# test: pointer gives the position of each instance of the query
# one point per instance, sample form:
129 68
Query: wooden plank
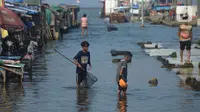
14 70
3 72
15 65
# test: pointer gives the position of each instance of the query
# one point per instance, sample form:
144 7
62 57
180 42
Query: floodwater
53 88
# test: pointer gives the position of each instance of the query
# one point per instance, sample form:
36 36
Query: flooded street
53 88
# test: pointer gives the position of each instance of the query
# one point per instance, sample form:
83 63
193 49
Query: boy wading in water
82 59
122 73
84 24
185 37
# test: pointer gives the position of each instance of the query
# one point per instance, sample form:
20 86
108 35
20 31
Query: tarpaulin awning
14 1
30 11
54 7
9 19
135 6
31 2
18 10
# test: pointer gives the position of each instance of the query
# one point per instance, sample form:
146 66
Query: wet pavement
53 88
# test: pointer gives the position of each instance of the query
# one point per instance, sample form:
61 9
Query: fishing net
90 80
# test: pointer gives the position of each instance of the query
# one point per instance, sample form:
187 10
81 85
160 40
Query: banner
1 3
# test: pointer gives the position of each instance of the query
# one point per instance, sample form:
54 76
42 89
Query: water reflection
122 104
10 94
82 100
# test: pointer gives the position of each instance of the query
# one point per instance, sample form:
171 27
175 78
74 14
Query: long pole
64 56
142 25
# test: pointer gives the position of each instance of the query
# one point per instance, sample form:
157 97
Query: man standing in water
84 24
185 37
82 59
122 72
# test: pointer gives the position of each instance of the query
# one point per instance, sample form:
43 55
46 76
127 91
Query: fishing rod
64 56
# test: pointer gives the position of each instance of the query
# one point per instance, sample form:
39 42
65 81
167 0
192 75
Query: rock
178 72
156 19
162 66
118 60
188 81
111 28
198 42
170 66
149 42
192 81
153 81
199 65
188 65
142 43
173 55
142 25
115 52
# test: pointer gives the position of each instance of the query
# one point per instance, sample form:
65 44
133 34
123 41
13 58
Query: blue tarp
18 10
62 4
14 1
162 8
22 10
135 6
30 11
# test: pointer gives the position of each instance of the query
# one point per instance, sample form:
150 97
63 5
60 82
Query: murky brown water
53 88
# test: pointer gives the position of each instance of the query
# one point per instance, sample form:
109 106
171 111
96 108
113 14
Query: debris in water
153 81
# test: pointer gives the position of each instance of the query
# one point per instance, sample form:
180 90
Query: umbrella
8 19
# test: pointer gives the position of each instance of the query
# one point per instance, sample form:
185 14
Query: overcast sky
83 3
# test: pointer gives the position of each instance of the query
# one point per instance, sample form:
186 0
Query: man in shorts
185 38
122 73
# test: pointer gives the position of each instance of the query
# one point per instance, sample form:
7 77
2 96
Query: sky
83 3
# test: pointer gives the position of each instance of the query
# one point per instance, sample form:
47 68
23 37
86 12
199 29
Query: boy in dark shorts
122 73
82 59
185 38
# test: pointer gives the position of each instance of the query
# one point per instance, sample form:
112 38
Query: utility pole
198 8
198 12
142 25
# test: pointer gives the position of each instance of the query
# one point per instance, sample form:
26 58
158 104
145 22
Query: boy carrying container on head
82 59
122 73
